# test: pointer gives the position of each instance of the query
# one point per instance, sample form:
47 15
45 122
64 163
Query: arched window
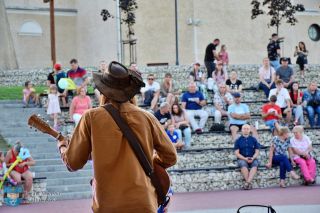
30 28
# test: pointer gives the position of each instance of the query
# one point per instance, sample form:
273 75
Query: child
224 57
3 170
29 95
59 73
173 135
53 105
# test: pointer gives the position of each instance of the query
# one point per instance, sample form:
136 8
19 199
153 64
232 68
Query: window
30 28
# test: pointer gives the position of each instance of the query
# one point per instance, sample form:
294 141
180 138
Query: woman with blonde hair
79 105
301 154
279 148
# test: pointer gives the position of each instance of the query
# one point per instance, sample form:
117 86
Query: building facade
81 33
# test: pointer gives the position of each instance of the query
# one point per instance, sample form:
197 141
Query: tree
128 17
278 10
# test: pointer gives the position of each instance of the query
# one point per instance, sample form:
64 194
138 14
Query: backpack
217 127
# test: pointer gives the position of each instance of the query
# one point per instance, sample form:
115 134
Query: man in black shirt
274 51
163 115
210 56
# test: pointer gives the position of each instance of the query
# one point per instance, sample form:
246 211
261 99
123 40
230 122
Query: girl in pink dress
219 76
224 57
53 105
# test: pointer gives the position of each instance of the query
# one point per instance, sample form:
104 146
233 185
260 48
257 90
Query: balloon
71 84
63 83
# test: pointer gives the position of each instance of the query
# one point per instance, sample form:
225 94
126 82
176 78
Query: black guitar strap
137 149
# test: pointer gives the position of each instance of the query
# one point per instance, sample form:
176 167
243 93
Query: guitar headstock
38 123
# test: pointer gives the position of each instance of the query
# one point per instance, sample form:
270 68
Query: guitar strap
137 149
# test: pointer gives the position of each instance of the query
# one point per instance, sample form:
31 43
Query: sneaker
245 186
249 186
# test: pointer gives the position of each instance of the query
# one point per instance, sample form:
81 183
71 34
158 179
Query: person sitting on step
174 137
246 150
278 156
271 114
151 92
193 101
239 114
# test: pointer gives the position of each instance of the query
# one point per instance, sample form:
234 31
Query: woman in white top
301 148
267 76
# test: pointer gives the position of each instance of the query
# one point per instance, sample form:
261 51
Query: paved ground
290 200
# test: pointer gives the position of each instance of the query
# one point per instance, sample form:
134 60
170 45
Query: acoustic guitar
163 177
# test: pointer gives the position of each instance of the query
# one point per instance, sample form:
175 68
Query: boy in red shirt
271 114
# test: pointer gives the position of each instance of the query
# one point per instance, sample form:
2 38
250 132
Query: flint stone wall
247 73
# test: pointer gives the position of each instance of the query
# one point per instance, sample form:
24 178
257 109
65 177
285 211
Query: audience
210 57
78 74
239 114
21 171
193 101
80 103
167 90
283 100
274 51
233 83
103 67
271 114
163 115
296 97
301 154
59 73
151 92
180 121
224 57
219 76
302 54
196 75
278 155
174 137
222 99
247 151
30 97
53 105
311 101
267 76
285 73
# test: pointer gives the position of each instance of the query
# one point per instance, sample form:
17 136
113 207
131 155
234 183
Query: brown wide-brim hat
118 83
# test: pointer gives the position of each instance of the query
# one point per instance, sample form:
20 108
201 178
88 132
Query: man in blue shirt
247 151
193 101
238 114
311 101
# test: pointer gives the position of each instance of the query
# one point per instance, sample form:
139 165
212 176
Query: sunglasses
151 79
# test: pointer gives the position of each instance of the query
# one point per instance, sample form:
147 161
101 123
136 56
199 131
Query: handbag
217 127
158 175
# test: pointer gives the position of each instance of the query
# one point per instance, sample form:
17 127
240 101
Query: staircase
61 184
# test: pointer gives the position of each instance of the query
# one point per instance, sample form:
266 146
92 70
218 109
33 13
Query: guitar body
163 178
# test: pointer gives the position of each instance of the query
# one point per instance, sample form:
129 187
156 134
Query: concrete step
68 181
46 155
55 168
65 174
72 195
70 188
50 161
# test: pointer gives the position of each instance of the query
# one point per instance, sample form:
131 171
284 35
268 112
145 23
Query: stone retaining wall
247 73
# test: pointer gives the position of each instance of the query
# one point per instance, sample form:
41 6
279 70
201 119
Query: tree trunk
8 59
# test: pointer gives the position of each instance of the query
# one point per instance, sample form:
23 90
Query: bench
158 64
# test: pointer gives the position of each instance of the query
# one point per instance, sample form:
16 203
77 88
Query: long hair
105 100
179 109
304 46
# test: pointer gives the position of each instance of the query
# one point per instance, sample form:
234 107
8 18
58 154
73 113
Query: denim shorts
270 123
243 163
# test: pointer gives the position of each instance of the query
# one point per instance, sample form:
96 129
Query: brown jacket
121 183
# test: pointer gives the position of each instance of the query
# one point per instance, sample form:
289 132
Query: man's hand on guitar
62 145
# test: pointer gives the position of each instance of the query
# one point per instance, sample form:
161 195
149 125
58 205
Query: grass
4 146
15 92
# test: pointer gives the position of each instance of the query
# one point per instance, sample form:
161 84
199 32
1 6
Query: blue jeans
311 111
265 89
284 163
187 136
275 64
211 66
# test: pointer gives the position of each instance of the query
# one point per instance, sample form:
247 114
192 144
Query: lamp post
176 27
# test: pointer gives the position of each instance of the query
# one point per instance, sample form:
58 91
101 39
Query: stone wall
247 73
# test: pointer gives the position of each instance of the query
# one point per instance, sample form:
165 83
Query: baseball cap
236 94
